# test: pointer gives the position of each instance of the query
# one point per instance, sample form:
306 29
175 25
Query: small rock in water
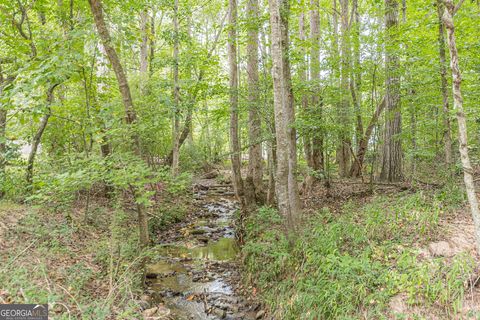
202 239
157 313
219 313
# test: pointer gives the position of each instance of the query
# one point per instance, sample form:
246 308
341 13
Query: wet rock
219 313
203 239
239 316
157 313
163 311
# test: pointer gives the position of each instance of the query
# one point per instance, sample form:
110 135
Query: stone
260 314
441 249
150 312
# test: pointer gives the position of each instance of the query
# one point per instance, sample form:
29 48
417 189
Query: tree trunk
449 12
143 50
234 136
357 165
316 107
355 77
255 161
176 95
130 116
286 187
447 136
307 143
152 42
392 147
38 136
343 149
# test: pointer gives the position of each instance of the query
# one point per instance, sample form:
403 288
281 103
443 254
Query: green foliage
123 172
352 264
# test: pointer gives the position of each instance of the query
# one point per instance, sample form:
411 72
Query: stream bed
195 274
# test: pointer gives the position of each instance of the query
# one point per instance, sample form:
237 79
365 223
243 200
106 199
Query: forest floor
452 237
396 251
387 252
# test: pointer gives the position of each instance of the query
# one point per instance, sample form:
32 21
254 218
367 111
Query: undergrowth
79 270
349 265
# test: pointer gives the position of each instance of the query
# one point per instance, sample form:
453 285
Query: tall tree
449 13
3 137
176 94
316 107
343 149
255 161
286 188
130 115
143 49
307 137
392 145
235 149
447 136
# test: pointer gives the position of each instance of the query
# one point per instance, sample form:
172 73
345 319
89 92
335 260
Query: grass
350 265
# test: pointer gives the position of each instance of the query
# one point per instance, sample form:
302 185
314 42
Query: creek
195 274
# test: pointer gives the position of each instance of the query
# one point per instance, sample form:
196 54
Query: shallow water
190 276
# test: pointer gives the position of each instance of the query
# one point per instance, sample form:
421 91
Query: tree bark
343 149
286 187
234 136
130 115
255 161
307 143
176 95
3 140
447 136
143 50
317 138
356 75
447 18
392 147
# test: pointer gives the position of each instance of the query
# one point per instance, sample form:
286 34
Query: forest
240 159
